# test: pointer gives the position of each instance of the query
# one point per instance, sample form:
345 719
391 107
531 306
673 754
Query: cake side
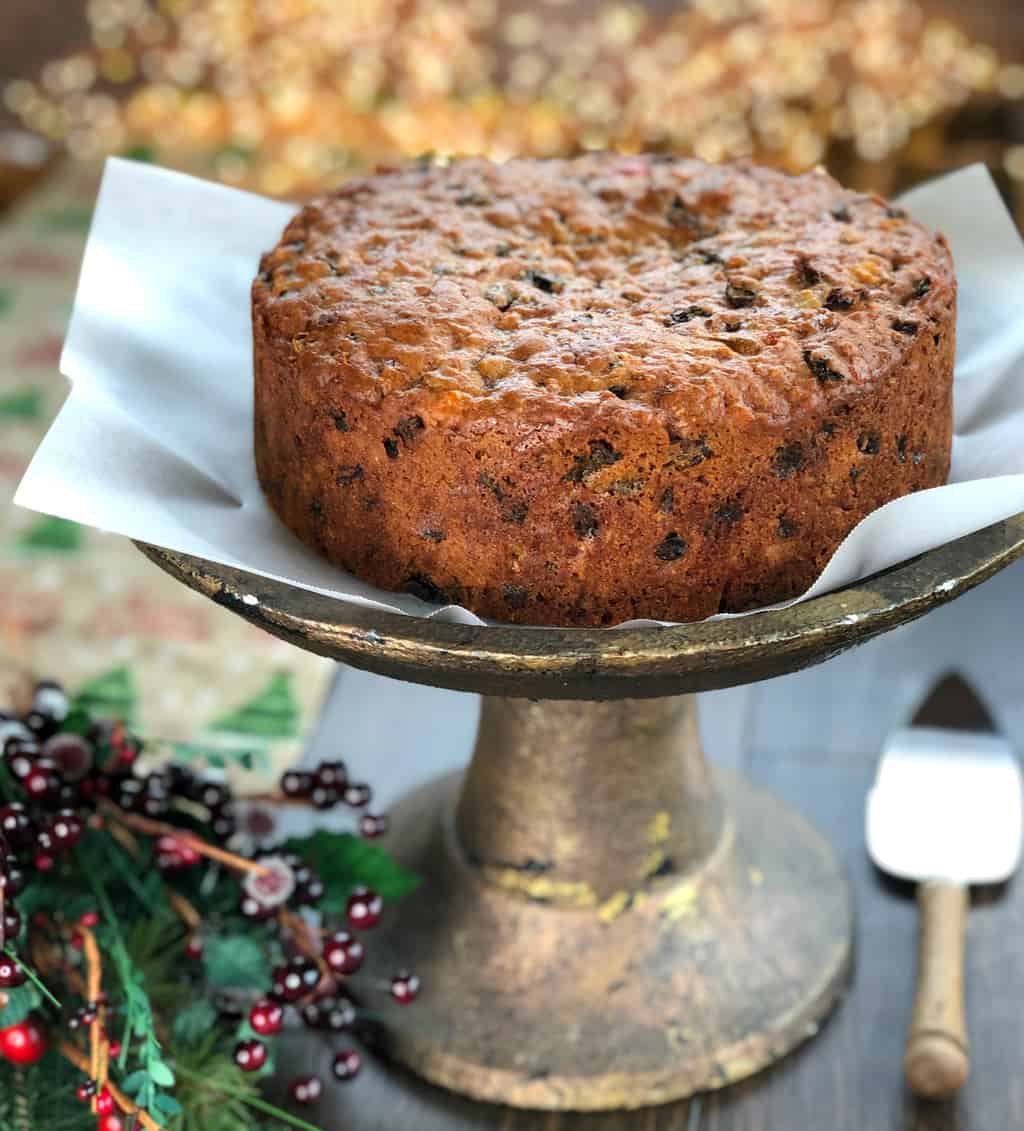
669 462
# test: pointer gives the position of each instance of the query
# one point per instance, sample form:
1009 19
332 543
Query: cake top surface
666 283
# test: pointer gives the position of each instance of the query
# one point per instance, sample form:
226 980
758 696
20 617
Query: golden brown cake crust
578 392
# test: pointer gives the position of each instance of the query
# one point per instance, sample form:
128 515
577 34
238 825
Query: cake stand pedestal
604 922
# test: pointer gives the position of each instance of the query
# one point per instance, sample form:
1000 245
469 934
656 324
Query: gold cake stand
605 922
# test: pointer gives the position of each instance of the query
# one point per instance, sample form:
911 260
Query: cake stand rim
598 663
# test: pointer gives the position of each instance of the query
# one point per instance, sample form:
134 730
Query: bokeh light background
284 96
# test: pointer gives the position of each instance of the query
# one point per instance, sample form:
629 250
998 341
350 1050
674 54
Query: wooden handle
936 1063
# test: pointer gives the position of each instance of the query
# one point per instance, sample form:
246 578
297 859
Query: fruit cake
580 391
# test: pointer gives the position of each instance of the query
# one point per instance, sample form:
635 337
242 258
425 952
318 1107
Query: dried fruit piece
671 548
821 369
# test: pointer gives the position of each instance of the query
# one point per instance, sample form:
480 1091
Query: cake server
944 812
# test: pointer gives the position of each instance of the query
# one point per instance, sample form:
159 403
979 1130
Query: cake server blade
945 812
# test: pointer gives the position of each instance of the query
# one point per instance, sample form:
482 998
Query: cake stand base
689 984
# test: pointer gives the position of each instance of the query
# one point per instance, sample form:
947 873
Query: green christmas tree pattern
272 713
22 404
52 535
111 694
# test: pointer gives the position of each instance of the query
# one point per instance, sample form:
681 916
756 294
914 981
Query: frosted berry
306 1089
347 1064
71 754
24 1043
85 1091
250 1056
194 947
344 953
266 1018
11 974
364 908
405 987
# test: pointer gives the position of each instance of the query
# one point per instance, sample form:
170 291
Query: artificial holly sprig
111 875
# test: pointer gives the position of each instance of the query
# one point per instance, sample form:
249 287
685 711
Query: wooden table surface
814 738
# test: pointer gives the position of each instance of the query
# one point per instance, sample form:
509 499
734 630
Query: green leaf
194 1022
272 713
344 861
160 1074
22 404
53 535
78 721
111 693
166 1105
20 1003
134 1083
236 961
6 299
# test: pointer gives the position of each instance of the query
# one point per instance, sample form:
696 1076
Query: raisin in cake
581 391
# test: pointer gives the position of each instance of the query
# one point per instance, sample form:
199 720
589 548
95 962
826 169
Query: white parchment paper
155 439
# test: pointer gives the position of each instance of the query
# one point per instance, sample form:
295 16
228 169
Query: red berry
44 862
306 1089
23 1043
344 953
250 1056
65 830
111 1122
295 783
114 1048
295 980
42 783
253 909
90 919
76 940
364 908
347 1064
405 987
331 775
357 795
104 1102
194 947
333 1013
12 921
11 974
266 1017
16 825
373 825
174 855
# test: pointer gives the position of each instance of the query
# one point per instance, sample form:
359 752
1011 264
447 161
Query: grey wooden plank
842 710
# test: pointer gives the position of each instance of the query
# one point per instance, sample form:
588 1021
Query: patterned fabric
86 607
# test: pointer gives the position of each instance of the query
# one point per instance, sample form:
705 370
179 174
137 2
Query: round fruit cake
581 391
